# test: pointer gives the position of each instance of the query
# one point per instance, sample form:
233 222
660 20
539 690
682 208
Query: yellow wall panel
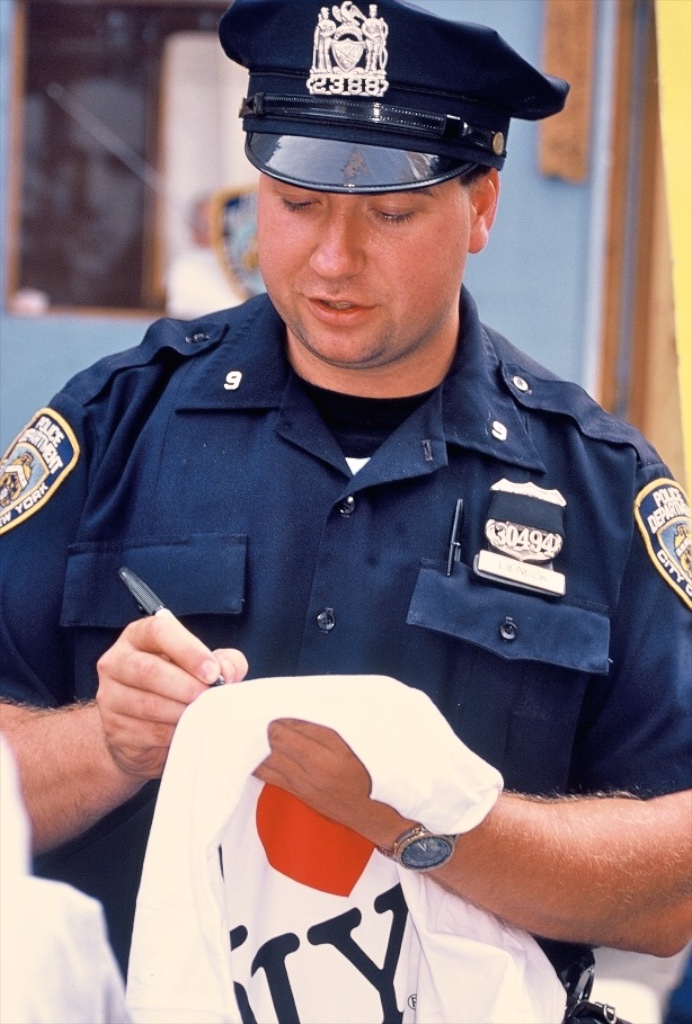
674 34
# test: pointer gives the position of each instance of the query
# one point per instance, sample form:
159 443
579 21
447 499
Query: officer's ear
484 193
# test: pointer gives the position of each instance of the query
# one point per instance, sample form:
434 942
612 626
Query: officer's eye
393 217
296 207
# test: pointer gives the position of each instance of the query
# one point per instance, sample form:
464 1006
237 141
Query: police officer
354 474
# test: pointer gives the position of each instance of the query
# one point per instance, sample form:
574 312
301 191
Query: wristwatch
420 850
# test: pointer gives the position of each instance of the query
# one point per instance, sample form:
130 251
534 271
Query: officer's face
368 285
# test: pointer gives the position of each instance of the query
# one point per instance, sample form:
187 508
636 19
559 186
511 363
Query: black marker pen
454 554
146 599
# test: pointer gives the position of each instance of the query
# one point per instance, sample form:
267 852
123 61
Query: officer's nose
339 250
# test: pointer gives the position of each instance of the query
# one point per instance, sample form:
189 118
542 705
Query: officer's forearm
68 778
608 871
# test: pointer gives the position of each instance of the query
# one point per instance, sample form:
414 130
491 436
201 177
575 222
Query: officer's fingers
311 732
292 753
233 664
164 634
124 704
165 639
293 777
301 740
268 772
129 678
317 757
288 765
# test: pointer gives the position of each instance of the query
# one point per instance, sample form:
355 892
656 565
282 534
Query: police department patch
663 516
36 464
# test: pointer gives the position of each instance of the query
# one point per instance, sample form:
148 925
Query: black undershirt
359 424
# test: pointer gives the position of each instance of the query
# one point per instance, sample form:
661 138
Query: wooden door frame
638 373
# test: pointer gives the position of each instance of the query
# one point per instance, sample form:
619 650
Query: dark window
88 182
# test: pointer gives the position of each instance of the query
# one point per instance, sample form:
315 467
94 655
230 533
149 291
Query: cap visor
330 165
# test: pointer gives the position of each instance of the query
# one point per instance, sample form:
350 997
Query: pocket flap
203 574
551 631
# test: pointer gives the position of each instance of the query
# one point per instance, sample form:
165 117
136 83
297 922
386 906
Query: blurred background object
109 178
221 267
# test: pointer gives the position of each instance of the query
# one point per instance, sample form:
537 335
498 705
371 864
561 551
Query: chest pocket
202 574
512 624
525 663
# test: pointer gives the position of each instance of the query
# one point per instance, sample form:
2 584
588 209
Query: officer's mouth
337 310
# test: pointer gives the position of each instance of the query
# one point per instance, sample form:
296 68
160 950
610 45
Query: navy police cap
376 97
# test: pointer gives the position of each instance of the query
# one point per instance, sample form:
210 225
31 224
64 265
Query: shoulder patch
663 517
37 463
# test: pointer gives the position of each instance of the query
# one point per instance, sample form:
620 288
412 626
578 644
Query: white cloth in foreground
456 963
56 966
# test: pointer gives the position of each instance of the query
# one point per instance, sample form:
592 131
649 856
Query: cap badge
525 532
349 54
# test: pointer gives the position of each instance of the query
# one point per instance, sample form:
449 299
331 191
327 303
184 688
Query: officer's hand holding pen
153 671
148 602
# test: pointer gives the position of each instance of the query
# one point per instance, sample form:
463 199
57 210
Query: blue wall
534 282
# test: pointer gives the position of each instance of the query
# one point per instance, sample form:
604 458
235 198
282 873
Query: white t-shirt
348 954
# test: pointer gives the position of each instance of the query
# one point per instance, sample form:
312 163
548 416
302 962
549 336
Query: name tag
520 574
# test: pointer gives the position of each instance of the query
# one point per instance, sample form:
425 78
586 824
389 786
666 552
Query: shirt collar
473 408
479 410
247 370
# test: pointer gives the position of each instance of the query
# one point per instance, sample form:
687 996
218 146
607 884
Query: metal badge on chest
525 532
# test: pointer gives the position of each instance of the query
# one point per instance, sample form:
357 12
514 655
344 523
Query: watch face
427 852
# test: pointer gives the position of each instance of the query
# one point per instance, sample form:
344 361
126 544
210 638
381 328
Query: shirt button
348 506
326 620
508 629
520 384
196 337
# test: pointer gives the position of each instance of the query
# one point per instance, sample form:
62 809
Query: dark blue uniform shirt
204 467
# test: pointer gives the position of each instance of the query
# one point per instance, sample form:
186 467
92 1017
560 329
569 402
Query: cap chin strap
334 110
